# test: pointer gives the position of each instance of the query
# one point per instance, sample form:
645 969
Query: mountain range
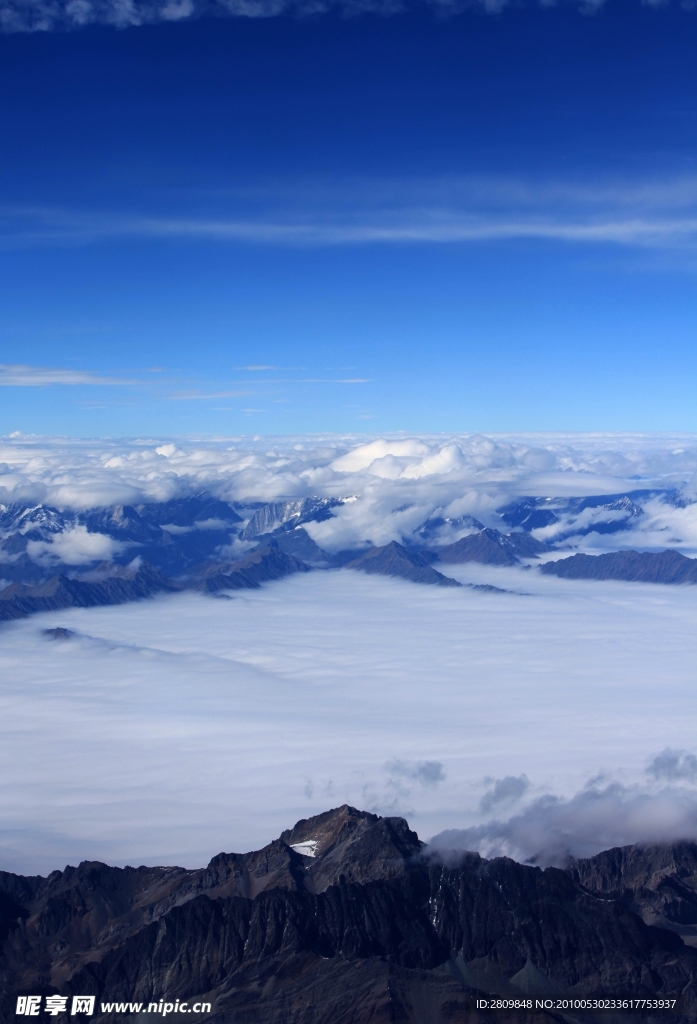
51 559
349 918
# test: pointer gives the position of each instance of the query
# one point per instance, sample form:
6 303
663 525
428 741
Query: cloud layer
170 729
398 482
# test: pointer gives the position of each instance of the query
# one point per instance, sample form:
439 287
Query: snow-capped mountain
205 543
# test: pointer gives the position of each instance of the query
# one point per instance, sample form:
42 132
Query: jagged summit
348 845
394 559
342 920
491 547
289 514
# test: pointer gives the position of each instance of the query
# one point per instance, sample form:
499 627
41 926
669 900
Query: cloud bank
167 730
398 482
553 829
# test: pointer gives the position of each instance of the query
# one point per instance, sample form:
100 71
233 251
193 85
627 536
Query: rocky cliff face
658 882
347 918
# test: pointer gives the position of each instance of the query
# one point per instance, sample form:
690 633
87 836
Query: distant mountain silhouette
490 547
184 543
634 566
611 513
297 542
263 564
395 560
117 585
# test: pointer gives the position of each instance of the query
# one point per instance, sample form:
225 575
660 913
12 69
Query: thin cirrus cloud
57 15
437 227
200 395
642 214
20 376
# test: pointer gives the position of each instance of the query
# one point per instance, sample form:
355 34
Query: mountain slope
117 585
490 547
265 563
635 566
395 560
346 917
659 882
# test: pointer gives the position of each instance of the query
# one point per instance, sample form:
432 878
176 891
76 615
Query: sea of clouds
397 481
554 719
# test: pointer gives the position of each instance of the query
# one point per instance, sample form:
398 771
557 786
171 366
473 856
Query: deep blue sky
482 222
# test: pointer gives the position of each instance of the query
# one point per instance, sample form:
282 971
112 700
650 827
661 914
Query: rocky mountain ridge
202 543
349 917
630 566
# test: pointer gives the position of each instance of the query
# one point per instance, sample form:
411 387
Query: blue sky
289 224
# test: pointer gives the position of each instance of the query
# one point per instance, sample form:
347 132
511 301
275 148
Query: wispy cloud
652 214
56 15
202 396
20 376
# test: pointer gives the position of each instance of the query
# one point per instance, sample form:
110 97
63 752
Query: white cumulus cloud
397 482
74 546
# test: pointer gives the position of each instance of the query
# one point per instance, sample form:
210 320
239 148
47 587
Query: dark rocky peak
346 845
631 566
74 913
491 547
95 905
396 560
296 541
57 633
121 522
346 918
275 866
263 564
